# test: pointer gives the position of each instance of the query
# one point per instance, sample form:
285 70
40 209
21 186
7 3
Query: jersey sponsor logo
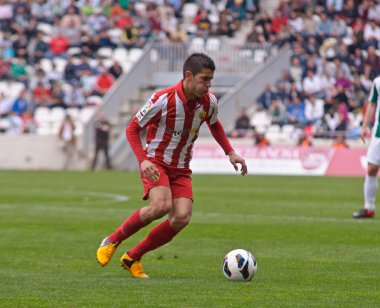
144 110
181 133
202 115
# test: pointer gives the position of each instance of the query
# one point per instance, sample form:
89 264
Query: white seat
288 129
260 119
189 10
60 64
135 54
73 113
45 28
94 100
46 65
120 55
107 63
57 114
197 44
126 65
44 130
213 44
274 128
74 51
86 114
105 52
259 56
42 115
16 88
78 128
115 35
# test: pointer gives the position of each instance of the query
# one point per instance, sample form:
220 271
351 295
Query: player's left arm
219 135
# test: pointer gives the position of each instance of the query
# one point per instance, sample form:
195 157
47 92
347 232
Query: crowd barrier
276 160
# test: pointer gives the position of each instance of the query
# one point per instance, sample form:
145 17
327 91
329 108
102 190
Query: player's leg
160 204
370 182
160 235
179 217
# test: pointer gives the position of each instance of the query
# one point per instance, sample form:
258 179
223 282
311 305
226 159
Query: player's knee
161 207
180 221
372 170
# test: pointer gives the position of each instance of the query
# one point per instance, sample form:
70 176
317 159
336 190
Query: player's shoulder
376 81
212 97
160 95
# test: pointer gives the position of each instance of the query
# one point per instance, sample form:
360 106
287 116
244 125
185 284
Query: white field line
199 217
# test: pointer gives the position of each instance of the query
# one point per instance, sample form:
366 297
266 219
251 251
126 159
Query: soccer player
172 117
373 152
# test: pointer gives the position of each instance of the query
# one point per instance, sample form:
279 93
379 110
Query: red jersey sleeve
218 133
133 136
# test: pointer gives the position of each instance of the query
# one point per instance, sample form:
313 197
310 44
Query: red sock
128 228
158 236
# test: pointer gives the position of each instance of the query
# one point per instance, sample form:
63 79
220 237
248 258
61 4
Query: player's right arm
147 115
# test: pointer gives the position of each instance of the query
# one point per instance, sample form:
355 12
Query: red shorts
178 180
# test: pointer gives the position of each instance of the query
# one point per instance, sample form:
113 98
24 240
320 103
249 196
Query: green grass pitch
310 252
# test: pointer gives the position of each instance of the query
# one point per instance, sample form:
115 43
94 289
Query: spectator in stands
314 110
225 26
277 112
21 103
296 112
5 73
260 140
58 46
265 98
104 81
304 140
311 84
115 70
67 136
203 24
41 96
242 125
372 63
57 95
18 70
356 61
39 48
340 142
75 97
102 134
70 71
130 36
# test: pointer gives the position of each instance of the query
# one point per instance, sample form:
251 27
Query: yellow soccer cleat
105 251
133 266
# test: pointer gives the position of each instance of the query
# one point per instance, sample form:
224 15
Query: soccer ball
239 265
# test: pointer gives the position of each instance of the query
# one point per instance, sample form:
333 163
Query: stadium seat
120 55
189 10
73 112
105 52
46 65
260 119
42 115
115 35
44 129
259 55
94 100
197 44
16 88
74 51
45 28
135 54
60 64
213 44
86 114
57 115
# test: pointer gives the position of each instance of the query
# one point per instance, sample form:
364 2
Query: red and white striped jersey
174 124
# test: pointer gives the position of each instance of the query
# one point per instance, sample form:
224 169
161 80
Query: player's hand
364 133
235 160
149 171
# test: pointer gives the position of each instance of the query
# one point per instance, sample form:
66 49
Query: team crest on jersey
202 115
144 110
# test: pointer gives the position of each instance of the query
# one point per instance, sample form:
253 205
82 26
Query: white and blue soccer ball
239 265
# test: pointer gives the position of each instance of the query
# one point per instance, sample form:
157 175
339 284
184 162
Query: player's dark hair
196 62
